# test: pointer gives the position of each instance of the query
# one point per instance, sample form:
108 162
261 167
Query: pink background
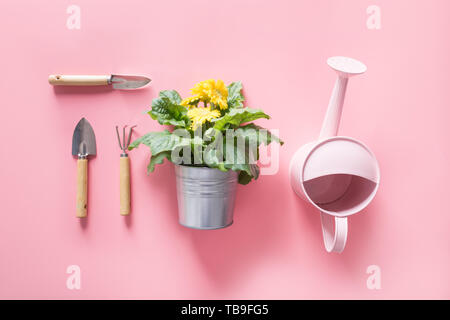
278 49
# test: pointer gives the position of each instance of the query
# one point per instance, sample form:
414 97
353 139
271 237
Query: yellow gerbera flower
190 101
202 89
212 91
199 116
219 95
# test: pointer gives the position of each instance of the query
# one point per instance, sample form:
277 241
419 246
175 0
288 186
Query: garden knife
125 82
83 146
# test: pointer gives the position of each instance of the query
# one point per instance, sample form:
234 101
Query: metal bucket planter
205 197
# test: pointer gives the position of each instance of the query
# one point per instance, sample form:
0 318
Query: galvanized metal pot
205 197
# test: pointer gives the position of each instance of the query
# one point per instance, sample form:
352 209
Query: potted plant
213 145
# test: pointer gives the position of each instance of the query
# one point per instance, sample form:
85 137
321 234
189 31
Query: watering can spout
345 68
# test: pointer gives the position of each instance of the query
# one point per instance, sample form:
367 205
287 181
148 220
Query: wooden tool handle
124 186
82 177
78 80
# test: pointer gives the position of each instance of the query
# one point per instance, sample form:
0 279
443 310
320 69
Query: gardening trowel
125 82
83 146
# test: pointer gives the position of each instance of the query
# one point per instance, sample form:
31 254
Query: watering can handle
334 232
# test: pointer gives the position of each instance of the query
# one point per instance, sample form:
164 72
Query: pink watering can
337 175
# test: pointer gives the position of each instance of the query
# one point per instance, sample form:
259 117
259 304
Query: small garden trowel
125 82
83 146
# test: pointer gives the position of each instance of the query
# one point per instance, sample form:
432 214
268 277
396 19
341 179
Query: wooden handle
124 186
82 176
78 80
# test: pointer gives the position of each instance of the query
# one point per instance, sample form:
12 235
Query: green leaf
213 159
157 159
197 144
213 151
245 146
235 96
172 95
247 171
167 112
240 151
160 141
244 178
240 160
256 134
162 144
238 116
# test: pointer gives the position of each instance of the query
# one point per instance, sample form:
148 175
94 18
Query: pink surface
399 107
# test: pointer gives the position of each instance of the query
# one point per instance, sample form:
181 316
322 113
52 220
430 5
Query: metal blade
127 82
83 140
